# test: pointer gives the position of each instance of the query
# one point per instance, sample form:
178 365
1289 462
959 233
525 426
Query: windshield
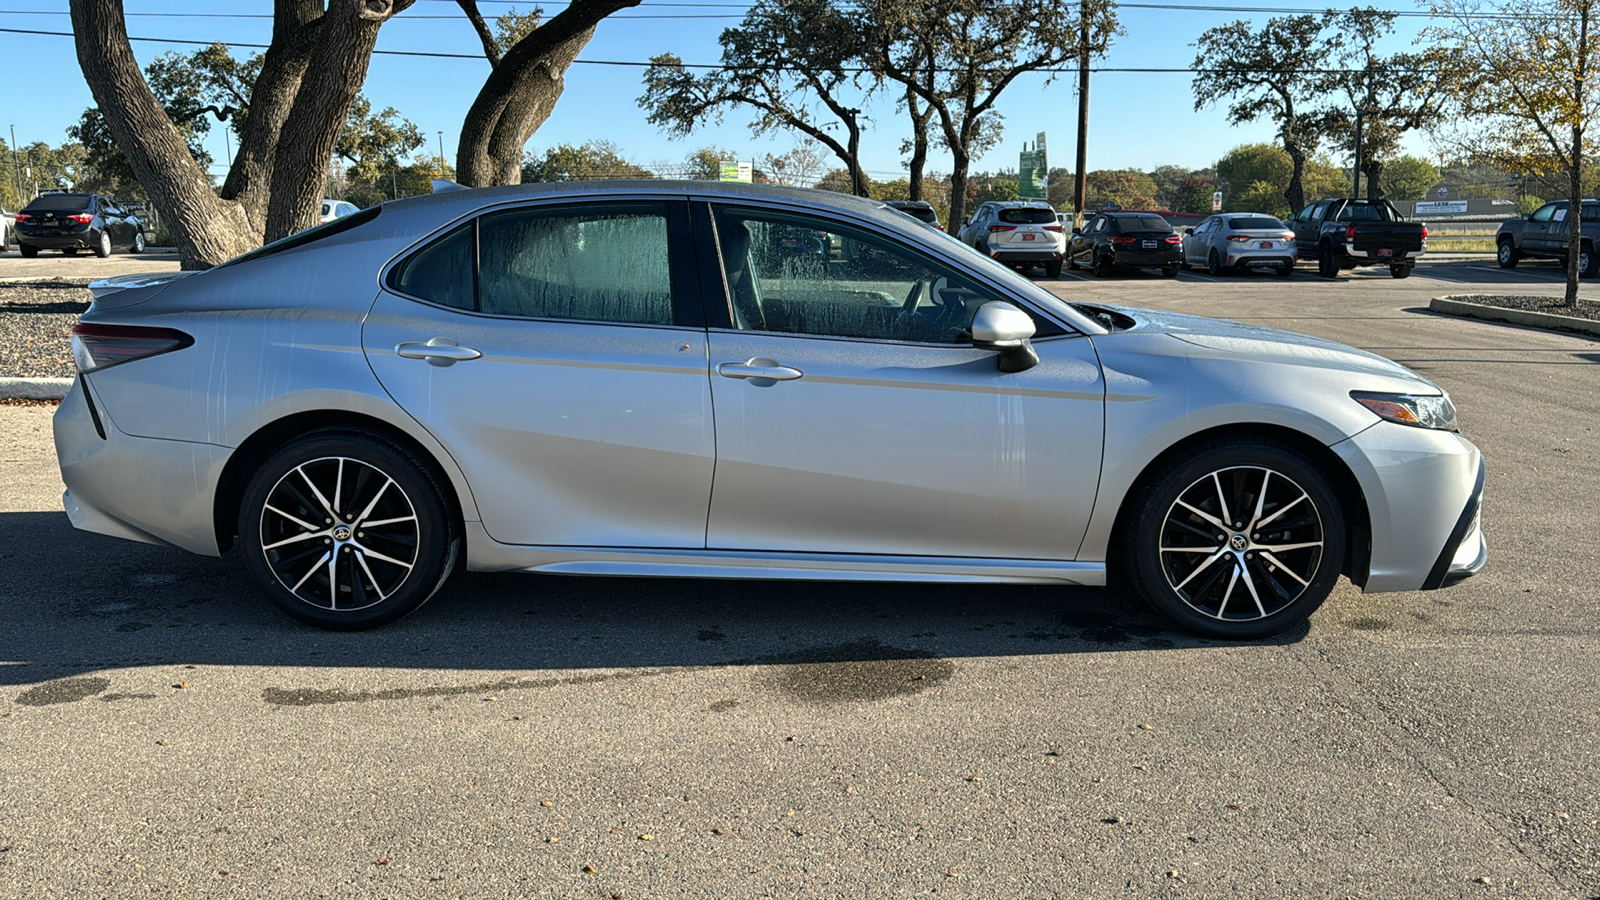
59 203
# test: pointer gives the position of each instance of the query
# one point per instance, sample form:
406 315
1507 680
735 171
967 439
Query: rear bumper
167 487
1261 258
1145 259
1029 255
82 237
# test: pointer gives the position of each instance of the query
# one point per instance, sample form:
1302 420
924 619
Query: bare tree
1519 77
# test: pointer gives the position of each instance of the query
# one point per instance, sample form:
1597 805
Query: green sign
1033 168
733 170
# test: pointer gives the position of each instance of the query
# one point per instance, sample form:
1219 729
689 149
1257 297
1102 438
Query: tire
1285 271
102 249
1399 271
28 251
1327 266
1193 578
1588 261
1052 269
1071 261
1102 266
403 559
1169 271
1214 266
138 242
1507 255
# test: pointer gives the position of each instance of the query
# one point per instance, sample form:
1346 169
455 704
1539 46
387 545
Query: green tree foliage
1395 93
898 189
1271 73
996 189
1520 83
374 143
589 161
1193 194
958 56
1262 197
1127 188
1408 178
1527 203
790 62
39 167
1247 164
1058 193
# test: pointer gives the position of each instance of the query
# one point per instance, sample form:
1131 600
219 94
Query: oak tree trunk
522 91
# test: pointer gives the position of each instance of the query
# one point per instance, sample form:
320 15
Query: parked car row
1338 234
1545 234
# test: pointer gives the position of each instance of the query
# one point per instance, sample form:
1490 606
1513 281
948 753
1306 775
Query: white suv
1020 233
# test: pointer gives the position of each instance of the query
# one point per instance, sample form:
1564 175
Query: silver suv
1019 233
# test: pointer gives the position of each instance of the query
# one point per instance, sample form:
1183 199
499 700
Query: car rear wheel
1327 266
1285 271
1507 255
344 530
1169 271
1399 271
1102 266
1237 538
138 242
1053 269
28 251
1588 261
1214 264
102 248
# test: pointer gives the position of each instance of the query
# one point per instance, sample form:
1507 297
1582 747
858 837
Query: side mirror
1001 326
1188 231
1077 230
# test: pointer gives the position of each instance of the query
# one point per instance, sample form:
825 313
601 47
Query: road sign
733 170
1216 201
1032 172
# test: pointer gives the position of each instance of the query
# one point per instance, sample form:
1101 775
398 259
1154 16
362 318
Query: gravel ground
35 325
1551 305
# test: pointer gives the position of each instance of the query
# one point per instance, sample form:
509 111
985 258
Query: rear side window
1027 216
1257 223
60 203
604 263
1363 213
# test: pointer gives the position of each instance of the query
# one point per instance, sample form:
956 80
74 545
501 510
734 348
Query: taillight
1054 228
996 229
1424 232
102 346
82 218
1238 237
1174 239
23 217
1123 240
1287 236
1350 232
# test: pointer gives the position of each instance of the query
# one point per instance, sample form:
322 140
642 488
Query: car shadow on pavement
78 603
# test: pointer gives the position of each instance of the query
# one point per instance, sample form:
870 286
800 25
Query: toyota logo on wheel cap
1238 542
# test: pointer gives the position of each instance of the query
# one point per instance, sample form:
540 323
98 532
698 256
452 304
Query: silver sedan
1232 242
652 378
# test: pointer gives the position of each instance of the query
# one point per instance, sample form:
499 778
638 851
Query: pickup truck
1544 234
1343 234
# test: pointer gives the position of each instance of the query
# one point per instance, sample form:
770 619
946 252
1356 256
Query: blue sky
1137 120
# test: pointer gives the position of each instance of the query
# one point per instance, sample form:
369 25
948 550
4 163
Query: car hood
1271 345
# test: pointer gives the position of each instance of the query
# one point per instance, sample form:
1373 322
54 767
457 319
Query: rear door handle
438 352
758 370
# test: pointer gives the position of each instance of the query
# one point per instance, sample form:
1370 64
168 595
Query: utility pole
1355 193
1080 185
16 168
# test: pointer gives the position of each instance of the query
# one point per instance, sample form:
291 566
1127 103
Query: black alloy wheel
1237 538
345 530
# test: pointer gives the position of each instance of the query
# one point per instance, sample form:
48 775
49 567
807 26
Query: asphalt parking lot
163 732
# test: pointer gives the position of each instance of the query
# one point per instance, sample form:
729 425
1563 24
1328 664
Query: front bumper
1423 492
140 489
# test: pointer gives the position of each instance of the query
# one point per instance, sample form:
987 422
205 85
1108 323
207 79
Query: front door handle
758 370
438 352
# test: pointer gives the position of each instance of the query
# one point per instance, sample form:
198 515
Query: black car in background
921 210
1129 240
73 222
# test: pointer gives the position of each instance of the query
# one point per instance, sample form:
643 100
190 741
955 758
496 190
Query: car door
556 351
853 415
1199 243
1307 227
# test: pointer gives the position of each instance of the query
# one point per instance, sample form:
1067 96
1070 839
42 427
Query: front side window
796 274
605 263
1544 213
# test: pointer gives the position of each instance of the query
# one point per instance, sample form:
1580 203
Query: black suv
921 210
1133 240
73 222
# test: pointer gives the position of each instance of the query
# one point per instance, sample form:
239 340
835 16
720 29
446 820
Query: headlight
1435 411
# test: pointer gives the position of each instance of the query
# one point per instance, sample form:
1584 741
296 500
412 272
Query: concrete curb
1514 316
34 388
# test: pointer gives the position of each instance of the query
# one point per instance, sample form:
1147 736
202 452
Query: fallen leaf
191 667
384 861
647 837
162 742
1233 806
718 831
182 685
546 803
590 870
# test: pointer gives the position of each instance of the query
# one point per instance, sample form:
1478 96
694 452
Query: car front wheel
1236 538
345 530
1507 255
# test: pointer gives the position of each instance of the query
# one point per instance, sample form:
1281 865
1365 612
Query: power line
1133 70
